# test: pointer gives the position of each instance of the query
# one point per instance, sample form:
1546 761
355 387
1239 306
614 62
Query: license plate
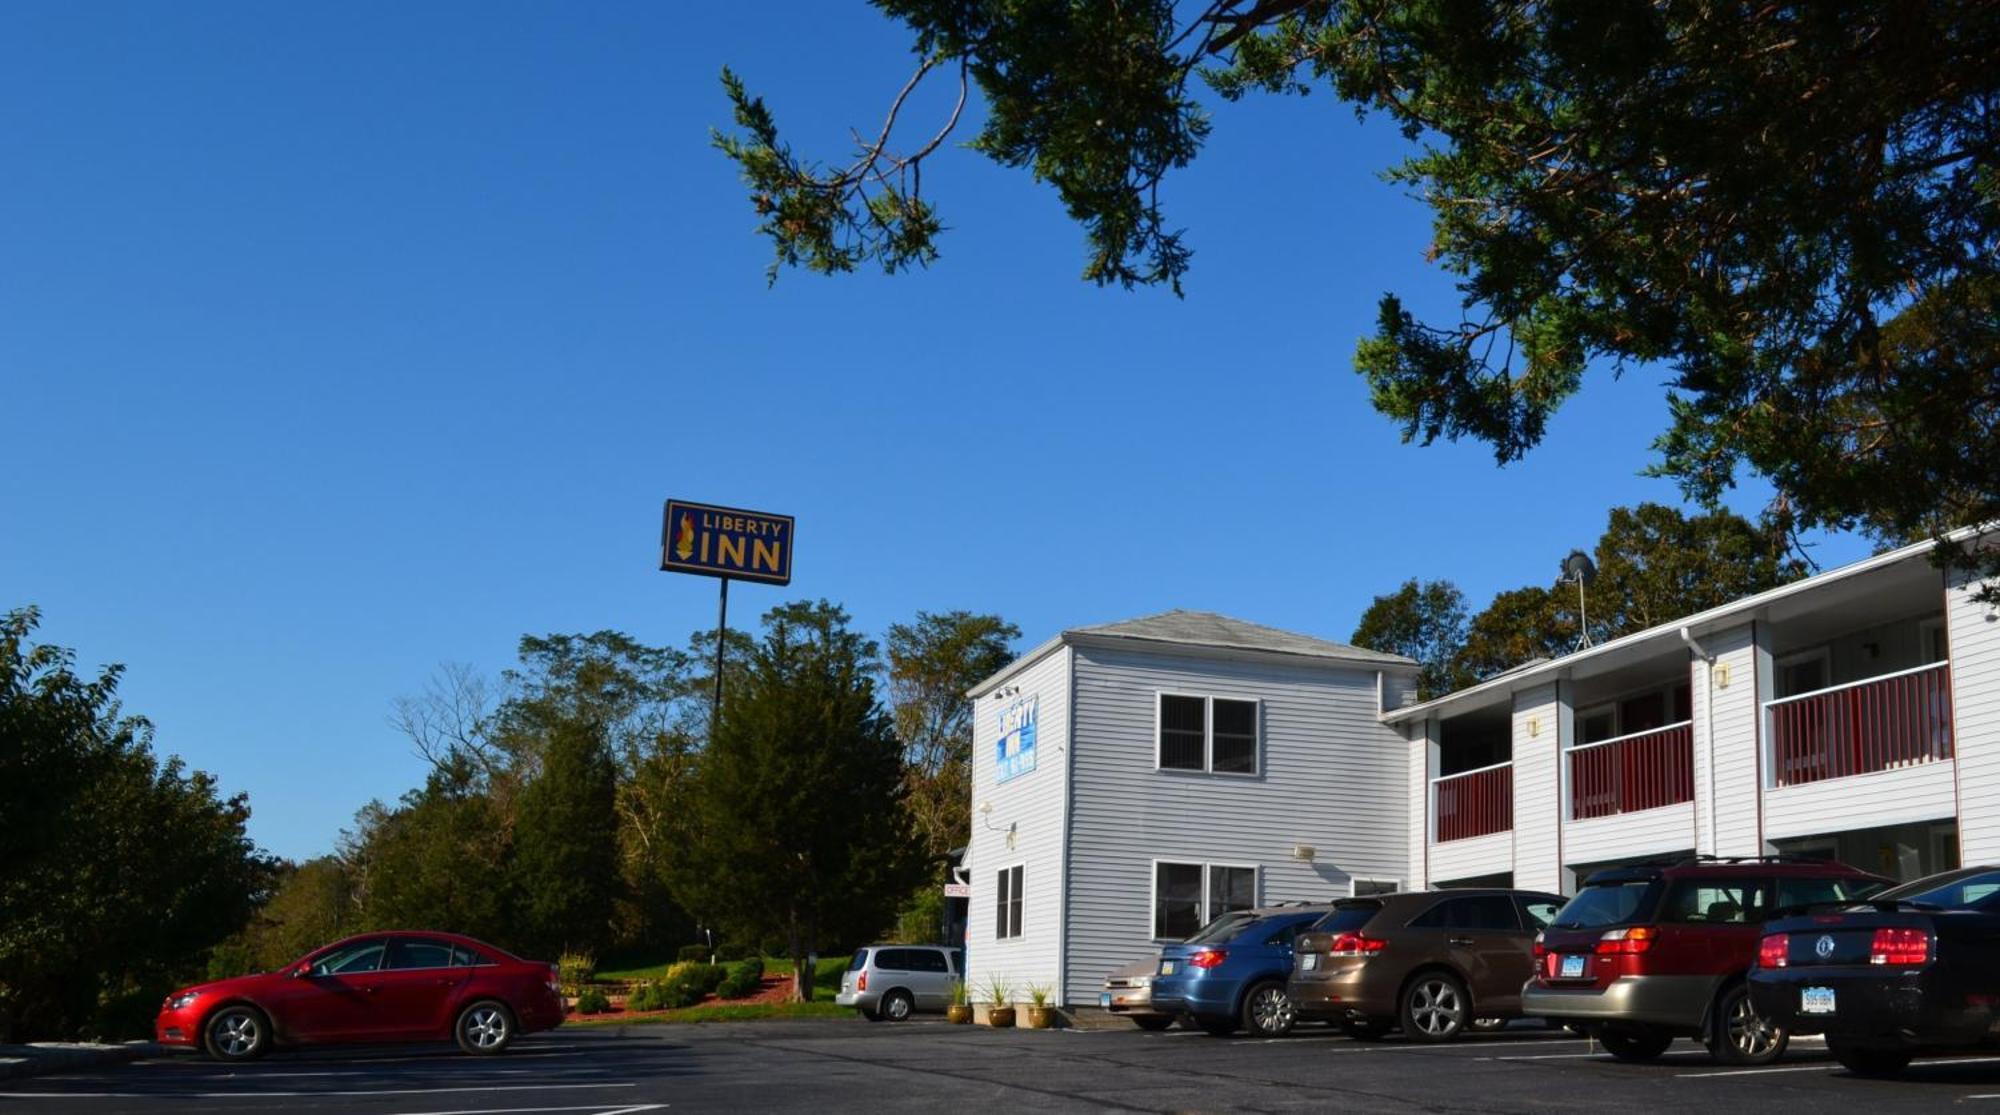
1166 967
1816 1000
1309 961
1572 967
1104 1000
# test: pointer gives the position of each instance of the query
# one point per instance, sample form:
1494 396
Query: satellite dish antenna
1579 568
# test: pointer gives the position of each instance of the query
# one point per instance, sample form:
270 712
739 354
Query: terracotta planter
958 1014
999 1017
1041 1018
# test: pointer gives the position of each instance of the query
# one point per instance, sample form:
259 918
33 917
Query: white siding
1332 776
1972 632
1889 797
1735 748
1033 804
1630 835
1419 797
1469 859
1537 786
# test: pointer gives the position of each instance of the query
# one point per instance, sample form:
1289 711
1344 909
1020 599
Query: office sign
1015 751
726 542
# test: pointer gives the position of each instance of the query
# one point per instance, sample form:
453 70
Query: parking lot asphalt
829 1066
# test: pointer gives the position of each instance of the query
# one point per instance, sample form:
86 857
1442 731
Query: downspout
1708 715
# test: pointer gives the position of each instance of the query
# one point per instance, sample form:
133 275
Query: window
926 960
1492 912
362 956
1187 896
893 960
1973 887
416 952
1537 913
1284 932
1931 641
1715 902
1807 672
1601 905
462 957
1795 894
859 962
1365 888
1007 910
1213 734
1596 724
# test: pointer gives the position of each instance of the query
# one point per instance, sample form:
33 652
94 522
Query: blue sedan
1233 972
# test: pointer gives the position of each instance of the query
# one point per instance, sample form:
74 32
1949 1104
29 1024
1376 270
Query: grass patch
727 1012
825 975
636 970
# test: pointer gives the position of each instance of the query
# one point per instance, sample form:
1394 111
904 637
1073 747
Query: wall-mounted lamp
1304 853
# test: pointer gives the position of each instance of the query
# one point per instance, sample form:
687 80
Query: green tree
121 871
311 903
1424 620
933 662
1654 564
801 831
565 868
1795 207
438 860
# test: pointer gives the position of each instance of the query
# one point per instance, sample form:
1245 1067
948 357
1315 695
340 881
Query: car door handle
1460 940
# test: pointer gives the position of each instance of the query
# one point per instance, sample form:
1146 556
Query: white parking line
250 1095
1598 1055
1829 1066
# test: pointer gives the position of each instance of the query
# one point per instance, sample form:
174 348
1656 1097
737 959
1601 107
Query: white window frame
1924 629
1354 887
1208 735
1018 897
1153 891
1823 654
1607 708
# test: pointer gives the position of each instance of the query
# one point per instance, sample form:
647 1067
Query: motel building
1134 780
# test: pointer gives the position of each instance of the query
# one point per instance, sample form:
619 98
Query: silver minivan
892 981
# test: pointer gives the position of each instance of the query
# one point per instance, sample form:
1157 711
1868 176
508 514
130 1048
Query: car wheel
1869 1060
1217 1027
238 1032
897 1006
1364 1031
1435 1007
1738 1035
1635 1045
1151 1021
485 1028
1268 1011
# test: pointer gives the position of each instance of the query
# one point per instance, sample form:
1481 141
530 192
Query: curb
18 1062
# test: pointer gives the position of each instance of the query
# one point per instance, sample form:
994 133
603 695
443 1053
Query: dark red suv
375 987
1643 955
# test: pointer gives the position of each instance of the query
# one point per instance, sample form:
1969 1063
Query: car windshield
1974 889
1604 904
1222 928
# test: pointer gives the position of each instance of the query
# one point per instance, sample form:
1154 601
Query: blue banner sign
726 542
1015 752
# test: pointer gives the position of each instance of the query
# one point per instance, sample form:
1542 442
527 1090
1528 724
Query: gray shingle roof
1208 629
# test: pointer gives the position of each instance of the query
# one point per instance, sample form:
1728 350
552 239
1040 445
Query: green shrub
574 970
592 1001
647 996
745 979
695 953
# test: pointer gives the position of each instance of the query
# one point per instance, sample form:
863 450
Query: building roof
1542 670
1181 628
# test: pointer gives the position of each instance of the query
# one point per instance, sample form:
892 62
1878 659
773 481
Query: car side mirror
302 971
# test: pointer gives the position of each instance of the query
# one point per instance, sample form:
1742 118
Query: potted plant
1040 1015
960 1011
999 999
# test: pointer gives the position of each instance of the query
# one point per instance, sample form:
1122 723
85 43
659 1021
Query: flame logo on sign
684 541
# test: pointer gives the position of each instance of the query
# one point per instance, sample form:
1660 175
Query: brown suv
1430 962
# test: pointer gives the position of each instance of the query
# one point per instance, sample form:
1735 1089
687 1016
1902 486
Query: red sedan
374 987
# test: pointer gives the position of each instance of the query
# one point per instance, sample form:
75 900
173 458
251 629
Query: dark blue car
1232 973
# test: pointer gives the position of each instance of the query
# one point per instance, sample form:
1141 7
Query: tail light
861 981
1541 949
555 978
1356 944
1774 951
1625 942
1207 958
1900 947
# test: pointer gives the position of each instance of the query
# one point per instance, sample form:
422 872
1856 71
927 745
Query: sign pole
721 636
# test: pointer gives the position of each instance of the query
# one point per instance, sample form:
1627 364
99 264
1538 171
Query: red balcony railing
1476 803
1644 770
1896 720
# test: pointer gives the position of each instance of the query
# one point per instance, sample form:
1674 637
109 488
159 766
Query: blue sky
337 341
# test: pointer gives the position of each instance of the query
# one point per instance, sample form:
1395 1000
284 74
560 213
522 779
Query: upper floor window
1214 734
